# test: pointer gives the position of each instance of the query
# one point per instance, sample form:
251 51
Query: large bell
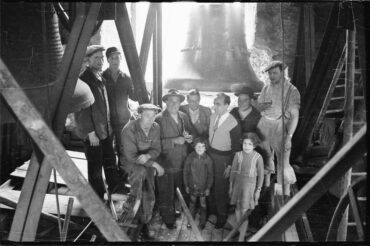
215 56
82 97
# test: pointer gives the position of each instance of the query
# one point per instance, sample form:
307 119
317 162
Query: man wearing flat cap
119 89
140 148
94 127
271 126
199 115
176 133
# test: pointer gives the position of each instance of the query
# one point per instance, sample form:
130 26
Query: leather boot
146 234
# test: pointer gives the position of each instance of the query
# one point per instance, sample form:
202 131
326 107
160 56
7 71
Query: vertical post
159 53
155 62
308 38
347 122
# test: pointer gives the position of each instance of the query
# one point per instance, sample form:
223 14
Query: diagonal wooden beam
347 156
319 83
147 36
129 48
56 155
25 222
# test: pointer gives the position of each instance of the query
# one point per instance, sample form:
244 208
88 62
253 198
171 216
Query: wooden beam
308 37
194 227
159 54
56 155
356 214
317 87
341 206
237 226
362 28
155 64
147 37
52 218
347 156
345 181
129 48
25 222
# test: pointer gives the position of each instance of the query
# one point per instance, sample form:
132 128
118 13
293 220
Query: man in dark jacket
176 132
119 89
198 114
94 127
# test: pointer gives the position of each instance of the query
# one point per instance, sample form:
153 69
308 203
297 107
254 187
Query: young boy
198 178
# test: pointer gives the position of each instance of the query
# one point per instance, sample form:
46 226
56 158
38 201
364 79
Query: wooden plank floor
77 157
184 234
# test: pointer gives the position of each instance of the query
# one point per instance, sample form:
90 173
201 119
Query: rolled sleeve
295 99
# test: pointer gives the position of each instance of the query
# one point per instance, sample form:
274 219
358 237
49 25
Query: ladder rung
334 111
362 199
358 173
340 86
359 98
354 223
336 98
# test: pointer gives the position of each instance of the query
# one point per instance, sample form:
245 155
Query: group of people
221 158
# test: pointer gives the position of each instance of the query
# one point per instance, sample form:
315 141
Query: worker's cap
193 92
244 89
274 64
173 92
92 49
147 106
112 50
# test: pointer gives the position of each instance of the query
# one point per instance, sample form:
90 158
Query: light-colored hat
147 106
173 92
274 64
93 49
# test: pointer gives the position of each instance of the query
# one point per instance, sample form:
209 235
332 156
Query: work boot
146 234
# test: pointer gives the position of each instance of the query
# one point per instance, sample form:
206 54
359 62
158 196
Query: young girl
198 178
246 179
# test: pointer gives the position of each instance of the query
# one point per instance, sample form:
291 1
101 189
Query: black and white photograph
184 122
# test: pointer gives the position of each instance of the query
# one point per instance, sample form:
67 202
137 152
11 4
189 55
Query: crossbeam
27 215
347 156
129 48
56 155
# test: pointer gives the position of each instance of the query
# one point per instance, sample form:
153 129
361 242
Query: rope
282 97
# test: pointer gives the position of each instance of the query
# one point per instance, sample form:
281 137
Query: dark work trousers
98 157
117 139
166 185
219 197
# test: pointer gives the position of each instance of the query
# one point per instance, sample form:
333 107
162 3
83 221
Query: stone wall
268 35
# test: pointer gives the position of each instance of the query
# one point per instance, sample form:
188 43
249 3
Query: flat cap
111 50
194 91
147 106
93 49
173 92
274 64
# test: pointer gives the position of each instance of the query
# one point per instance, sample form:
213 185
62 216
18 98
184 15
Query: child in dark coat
198 178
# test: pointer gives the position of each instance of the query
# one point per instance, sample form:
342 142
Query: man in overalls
270 124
